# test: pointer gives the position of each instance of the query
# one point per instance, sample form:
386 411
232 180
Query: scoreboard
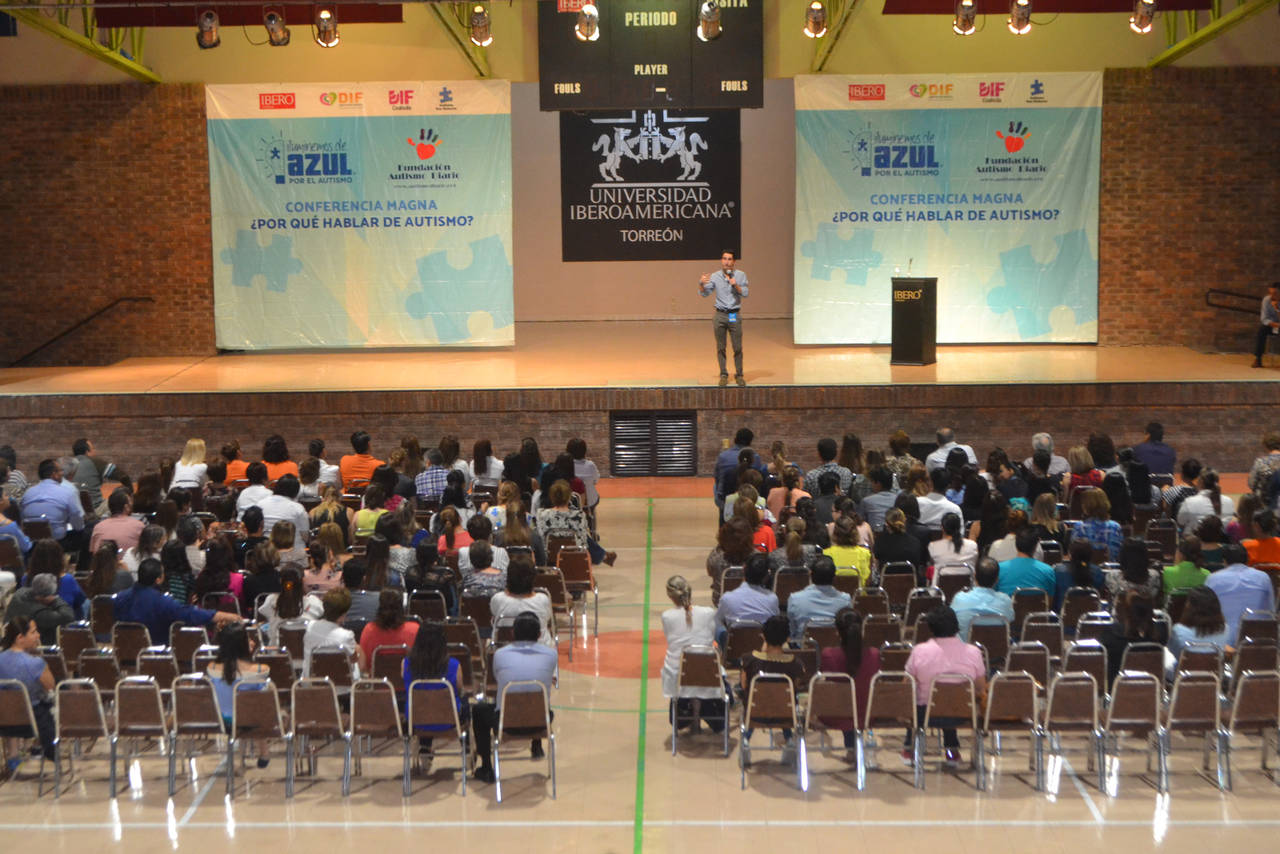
649 55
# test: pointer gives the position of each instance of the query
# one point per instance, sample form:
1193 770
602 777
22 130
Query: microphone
909 262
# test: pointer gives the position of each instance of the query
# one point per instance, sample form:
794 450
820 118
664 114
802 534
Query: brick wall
106 194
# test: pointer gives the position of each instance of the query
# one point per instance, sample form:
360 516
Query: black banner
649 185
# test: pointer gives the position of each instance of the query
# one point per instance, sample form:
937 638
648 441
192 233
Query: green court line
642 709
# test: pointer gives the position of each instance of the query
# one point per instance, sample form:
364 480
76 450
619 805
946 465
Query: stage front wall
988 182
361 214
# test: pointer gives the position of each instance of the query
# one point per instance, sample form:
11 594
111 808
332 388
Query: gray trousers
721 325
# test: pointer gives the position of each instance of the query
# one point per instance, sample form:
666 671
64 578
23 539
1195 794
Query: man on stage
730 288
1269 325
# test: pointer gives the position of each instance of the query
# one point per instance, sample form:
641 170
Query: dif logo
933 90
991 90
866 91
400 99
277 101
342 99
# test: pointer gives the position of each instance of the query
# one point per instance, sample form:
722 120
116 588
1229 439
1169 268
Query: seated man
362 603
480 527
1024 570
50 501
935 505
984 599
750 601
946 441
880 502
827 451
328 631
525 660
820 600
1239 587
40 602
145 603
120 526
282 506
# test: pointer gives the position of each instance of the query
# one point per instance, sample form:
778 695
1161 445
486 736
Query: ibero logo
342 99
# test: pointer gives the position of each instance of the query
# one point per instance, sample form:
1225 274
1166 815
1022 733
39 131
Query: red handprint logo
1018 133
427 144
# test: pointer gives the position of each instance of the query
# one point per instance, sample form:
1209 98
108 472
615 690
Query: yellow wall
418 49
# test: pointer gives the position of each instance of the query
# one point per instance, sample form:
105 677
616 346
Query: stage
567 379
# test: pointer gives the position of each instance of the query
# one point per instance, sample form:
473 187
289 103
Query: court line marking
1084 793
642 714
204 791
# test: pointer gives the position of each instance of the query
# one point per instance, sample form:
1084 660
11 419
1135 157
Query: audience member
145 603
191 469
1056 466
107 573
1024 570
51 501
894 544
1208 500
519 597
234 666
899 460
1202 621
561 520
954 549
772 658
20 660
290 603
429 661
1239 587
847 552
861 663
256 491
328 631
1133 623
1078 570
1097 526
686 625
485 469
1188 566
1135 573
946 442
818 601
40 603
827 451
1266 465
944 655
983 599
1264 546
358 466
1158 457
751 600
390 626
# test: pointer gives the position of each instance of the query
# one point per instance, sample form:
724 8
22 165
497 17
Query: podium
915 321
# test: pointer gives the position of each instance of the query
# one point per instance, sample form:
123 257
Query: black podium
915 322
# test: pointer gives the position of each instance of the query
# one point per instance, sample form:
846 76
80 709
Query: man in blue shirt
880 502
1024 570
750 601
1158 457
983 600
1239 586
727 461
1268 323
52 502
525 660
432 480
819 601
144 603
730 287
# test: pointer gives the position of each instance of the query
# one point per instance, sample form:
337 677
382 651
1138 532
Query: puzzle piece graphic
1031 289
274 262
449 296
829 252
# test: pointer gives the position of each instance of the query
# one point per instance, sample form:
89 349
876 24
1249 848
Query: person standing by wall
1269 322
730 288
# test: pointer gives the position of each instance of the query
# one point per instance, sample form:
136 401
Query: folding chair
100 665
880 629
256 714
1045 627
898 579
953 700
470 683
562 604
893 656
16 712
1195 709
1094 625
388 664
279 670
891 704
1144 657
315 715
292 634
477 609
953 579
57 663
555 544
464 630
833 707
1135 710
1013 706
221 600
1197 657
871 601
332 663
375 714
79 715
786 581
1051 552
1165 532
1261 655
428 605
195 717
1030 657
1028 600
992 634
744 637
1254 710
139 714
1078 602
700 673
580 578
204 655
822 632
1258 624
129 639
184 641
1088 656
525 713
73 639
158 663
1073 709
433 714
848 584
771 704
102 616
920 602
731 579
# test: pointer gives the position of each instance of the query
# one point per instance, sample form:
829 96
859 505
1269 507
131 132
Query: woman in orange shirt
275 453
762 536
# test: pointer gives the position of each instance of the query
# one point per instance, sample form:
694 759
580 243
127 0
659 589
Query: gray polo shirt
726 299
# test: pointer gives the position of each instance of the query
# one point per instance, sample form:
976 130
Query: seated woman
561 520
518 535
1078 571
1133 623
275 454
1097 525
1209 501
1188 566
220 574
428 658
365 520
20 659
762 536
1213 537
453 533
896 544
861 663
508 491
794 551
107 575
235 665
264 568
847 551
401 560
284 538
390 627
150 541
686 625
953 550
291 603
849 507
519 596
1136 572
733 547
945 654
788 494
332 510
324 571
1202 621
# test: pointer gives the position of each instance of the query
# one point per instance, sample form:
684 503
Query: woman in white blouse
1209 501
189 471
687 625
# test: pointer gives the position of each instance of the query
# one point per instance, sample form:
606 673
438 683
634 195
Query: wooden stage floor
632 354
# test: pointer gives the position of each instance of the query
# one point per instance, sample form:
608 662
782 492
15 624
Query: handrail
64 333
1252 299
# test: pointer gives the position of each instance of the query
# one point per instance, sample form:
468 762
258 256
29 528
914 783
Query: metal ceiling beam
826 44
477 57
34 19
1217 25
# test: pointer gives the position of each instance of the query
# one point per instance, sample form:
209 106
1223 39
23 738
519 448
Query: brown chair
898 579
992 634
921 601
1094 625
1197 657
555 544
139 714
428 605
744 638
388 664
37 529
1027 600
1088 656
771 704
1051 552
468 683
256 714
79 715
950 581
700 672
129 639
871 601
833 707
1195 709
731 579
292 638
101 666
1013 706
822 632
1029 657
73 639
1165 532
464 630
1259 624
279 670
332 663
524 713
1078 602
477 608
1072 708
893 656
1145 658
891 704
1045 627
17 714
786 581
375 714
204 655
921 631
102 616
809 655
953 701
158 663
848 584
1135 710
1254 710
314 714
184 641
880 629
563 606
10 556
56 662
1261 655
579 578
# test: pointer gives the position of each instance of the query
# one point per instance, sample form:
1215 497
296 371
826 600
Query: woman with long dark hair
390 627
1202 621
275 453
733 547
1208 501
178 577
954 549
234 665
1136 572
20 659
1078 570
428 658
107 574
291 603
485 469
1134 613
993 523
150 541
862 663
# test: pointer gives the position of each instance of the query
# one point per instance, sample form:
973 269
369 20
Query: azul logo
933 90
991 90
426 145
277 101
905 157
342 99
317 164
285 161
400 99
866 91
1016 138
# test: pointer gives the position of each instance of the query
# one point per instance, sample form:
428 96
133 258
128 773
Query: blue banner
988 182
361 215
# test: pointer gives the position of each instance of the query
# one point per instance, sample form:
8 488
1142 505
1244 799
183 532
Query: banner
649 185
987 181
361 214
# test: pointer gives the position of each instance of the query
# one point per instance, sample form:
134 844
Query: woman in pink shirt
944 655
